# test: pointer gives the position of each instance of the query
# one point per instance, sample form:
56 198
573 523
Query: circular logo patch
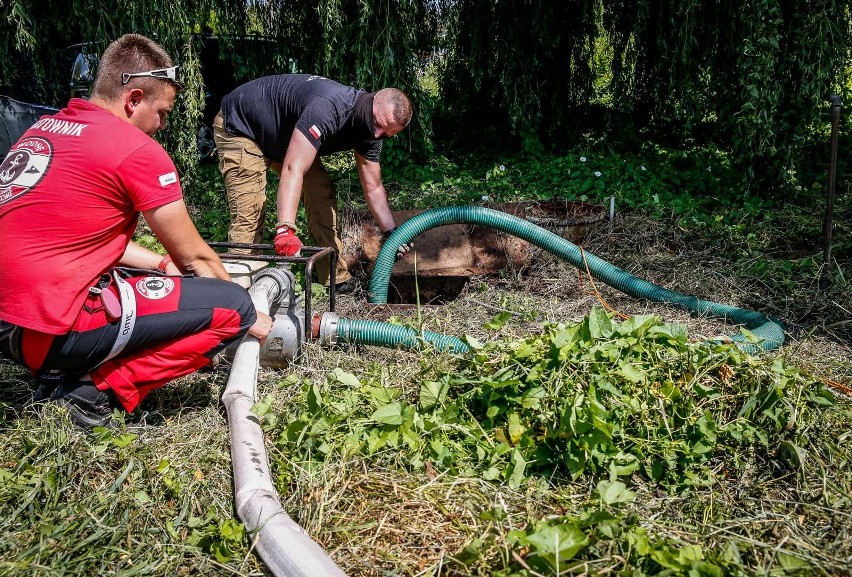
24 166
155 287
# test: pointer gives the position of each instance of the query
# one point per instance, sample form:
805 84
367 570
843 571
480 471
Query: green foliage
527 65
221 537
656 180
605 527
209 205
597 397
753 77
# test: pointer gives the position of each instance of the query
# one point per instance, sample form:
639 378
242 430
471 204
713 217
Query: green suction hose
388 335
769 332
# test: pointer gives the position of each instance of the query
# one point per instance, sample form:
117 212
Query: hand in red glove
286 242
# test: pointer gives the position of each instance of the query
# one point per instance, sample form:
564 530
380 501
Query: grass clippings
154 499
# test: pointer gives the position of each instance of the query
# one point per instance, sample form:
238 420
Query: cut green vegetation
595 403
569 441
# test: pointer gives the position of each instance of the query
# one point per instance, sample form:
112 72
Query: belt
128 316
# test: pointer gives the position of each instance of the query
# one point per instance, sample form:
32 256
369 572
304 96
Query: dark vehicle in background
15 118
223 67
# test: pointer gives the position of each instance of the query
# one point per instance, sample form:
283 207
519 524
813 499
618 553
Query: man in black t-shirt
286 123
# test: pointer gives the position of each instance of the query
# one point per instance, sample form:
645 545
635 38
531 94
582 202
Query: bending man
286 123
100 320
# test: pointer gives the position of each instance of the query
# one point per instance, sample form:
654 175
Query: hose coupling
328 328
283 280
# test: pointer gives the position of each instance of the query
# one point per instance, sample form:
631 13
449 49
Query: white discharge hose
281 543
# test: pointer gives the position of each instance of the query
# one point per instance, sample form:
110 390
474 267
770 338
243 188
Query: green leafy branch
595 397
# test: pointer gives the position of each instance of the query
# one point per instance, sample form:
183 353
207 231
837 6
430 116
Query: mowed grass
156 498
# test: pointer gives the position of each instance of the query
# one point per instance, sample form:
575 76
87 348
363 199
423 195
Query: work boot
43 391
86 405
45 385
347 287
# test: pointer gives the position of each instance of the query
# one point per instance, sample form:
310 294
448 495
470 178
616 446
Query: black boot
347 287
87 406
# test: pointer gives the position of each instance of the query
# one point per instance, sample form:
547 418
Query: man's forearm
207 265
370 176
289 193
137 256
377 200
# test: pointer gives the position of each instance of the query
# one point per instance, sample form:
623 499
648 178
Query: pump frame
314 254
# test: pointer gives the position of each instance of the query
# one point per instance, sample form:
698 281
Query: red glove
286 242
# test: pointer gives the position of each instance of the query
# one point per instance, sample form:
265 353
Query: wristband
285 224
164 263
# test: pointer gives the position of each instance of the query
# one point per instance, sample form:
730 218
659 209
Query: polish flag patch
315 132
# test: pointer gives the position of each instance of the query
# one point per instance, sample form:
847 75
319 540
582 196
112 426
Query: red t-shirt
70 194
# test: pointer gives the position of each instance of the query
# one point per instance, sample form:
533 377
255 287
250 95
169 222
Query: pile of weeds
605 409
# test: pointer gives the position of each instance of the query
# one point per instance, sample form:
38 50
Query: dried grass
375 519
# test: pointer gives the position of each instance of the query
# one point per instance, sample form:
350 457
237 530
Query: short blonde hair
398 102
130 53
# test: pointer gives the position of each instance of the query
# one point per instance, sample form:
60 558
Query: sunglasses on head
169 74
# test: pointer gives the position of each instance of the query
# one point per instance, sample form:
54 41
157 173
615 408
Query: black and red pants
181 323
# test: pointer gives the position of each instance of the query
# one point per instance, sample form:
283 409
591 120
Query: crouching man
99 320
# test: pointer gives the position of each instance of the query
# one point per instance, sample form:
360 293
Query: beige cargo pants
243 169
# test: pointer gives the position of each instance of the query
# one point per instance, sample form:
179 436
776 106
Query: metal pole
827 224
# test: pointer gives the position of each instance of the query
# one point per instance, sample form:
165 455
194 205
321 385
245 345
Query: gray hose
284 547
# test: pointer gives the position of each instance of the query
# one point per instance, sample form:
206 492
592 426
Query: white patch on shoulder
168 178
24 167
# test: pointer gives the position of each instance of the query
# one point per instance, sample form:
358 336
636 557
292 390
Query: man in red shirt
100 320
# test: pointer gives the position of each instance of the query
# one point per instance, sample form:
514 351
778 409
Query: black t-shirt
333 117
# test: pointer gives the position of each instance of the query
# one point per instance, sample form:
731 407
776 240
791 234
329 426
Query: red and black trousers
180 324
